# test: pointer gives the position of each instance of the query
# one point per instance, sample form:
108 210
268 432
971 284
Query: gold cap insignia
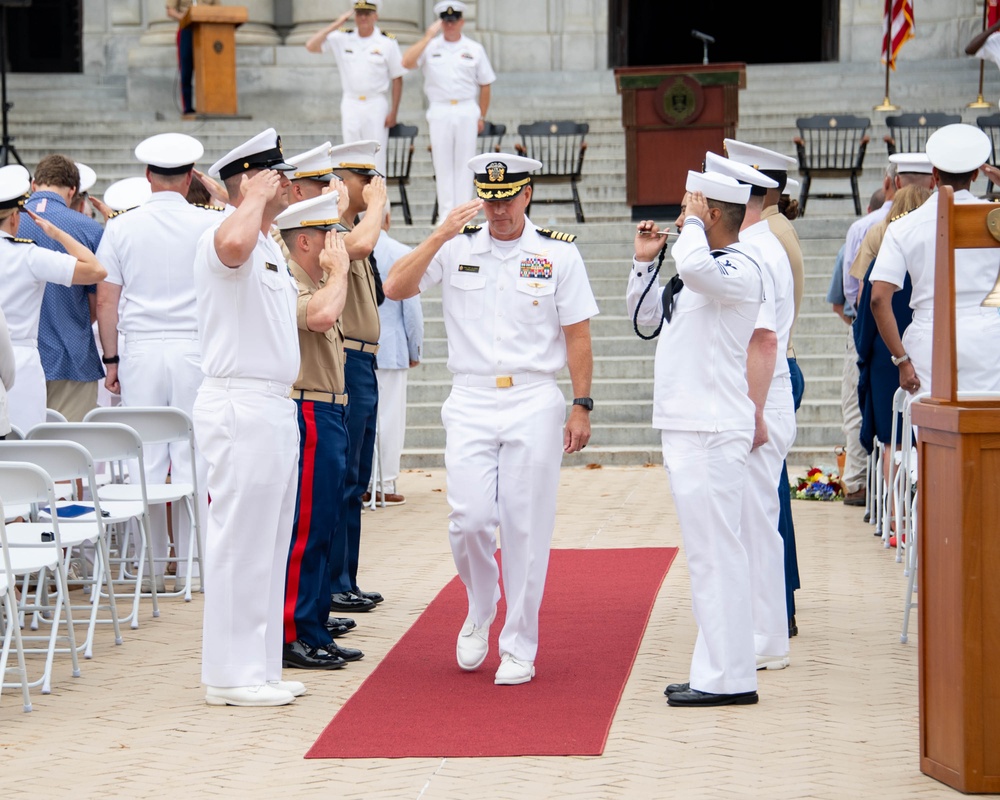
495 171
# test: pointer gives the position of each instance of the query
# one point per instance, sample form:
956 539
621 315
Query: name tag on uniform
536 268
468 268
270 266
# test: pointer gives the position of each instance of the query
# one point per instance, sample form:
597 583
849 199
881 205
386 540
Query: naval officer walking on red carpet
517 306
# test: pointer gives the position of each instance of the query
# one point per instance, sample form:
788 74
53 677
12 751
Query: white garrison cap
447 9
316 212
15 183
169 153
958 148
87 177
757 157
315 164
718 187
263 151
912 162
367 5
792 186
744 173
501 176
127 193
357 157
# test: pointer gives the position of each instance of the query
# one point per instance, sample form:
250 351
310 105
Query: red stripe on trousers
305 520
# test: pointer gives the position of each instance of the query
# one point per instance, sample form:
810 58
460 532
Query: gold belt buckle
505 381
453 102
362 97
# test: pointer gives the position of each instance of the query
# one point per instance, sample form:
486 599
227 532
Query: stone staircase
99 120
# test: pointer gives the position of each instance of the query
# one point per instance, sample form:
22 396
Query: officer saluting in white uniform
706 418
247 429
25 268
517 307
149 253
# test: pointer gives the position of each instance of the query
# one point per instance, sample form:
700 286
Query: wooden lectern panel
214 38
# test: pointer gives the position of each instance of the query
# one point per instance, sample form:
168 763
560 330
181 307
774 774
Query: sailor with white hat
517 306
149 299
706 418
371 67
770 388
956 153
127 193
247 429
25 269
457 78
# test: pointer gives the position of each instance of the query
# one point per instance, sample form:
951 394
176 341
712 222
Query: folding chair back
908 132
831 146
15 433
11 634
398 159
51 415
488 141
560 145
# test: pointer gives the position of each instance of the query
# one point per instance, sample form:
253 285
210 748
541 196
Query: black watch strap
110 359
586 402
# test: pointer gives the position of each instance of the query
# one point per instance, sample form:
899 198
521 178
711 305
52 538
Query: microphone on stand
706 40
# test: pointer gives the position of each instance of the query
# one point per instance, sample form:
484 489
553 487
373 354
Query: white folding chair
11 620
377 487
51 415
69 461
38 550
162 425
114 444
15 433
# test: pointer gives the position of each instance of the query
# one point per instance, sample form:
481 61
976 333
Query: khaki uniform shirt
322 365
360 318
781 227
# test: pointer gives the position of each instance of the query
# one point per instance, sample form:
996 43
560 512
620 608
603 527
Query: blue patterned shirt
65 334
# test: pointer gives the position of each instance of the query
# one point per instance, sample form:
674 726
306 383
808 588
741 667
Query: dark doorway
45 36
653 32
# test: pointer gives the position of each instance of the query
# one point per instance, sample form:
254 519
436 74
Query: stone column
400 17
257 30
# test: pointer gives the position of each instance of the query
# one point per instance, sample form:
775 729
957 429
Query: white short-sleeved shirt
699 376
150 251
25 268
455 70
246 315
367 64
781 295
505 308
909 246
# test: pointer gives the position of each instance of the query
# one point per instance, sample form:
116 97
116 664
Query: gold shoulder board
19 240
557 235
123 211
210 208
471 229
388 35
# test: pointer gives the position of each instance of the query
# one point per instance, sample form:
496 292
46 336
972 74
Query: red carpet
418 703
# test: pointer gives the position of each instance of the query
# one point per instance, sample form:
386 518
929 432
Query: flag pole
887 44
980 102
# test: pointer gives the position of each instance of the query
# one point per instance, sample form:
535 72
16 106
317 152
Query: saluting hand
648 241
215 189
334 256
459 217
434 29
102 208
265 185
697 206
375 192
343 196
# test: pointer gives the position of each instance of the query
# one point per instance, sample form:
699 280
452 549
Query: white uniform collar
530 241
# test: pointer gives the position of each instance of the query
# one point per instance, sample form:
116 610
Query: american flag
897 27
992 11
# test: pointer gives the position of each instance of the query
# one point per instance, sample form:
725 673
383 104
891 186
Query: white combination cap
744 173
127 193
263 151
15 183
718 187
169 153
87 177
316 212
912 162
501 176
447 9
315 164
958 148
757 157
792 186
356 157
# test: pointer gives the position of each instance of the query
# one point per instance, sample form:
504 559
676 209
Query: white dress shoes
294 688
261 695
514 671
474 643
773 662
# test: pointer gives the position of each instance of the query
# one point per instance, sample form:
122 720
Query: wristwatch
110 359
586 402
901 360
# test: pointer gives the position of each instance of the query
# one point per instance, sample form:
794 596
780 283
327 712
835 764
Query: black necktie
670 291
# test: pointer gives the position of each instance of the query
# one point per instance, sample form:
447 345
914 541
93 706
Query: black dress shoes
793 629
375 597
674 688
345 653
349 601
304 656
347 622
692 697
335 629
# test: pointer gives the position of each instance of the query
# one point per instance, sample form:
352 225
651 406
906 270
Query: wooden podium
672 117
214 37
959 538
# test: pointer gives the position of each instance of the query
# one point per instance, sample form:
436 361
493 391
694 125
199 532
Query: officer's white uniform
701 406
149 252
367 66
453 74
25 268
505 304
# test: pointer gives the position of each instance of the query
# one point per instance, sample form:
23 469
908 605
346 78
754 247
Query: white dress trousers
391 423
706 473
759 523
26 399
362 120
977 344
249 436
453 128
503 451
165 370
